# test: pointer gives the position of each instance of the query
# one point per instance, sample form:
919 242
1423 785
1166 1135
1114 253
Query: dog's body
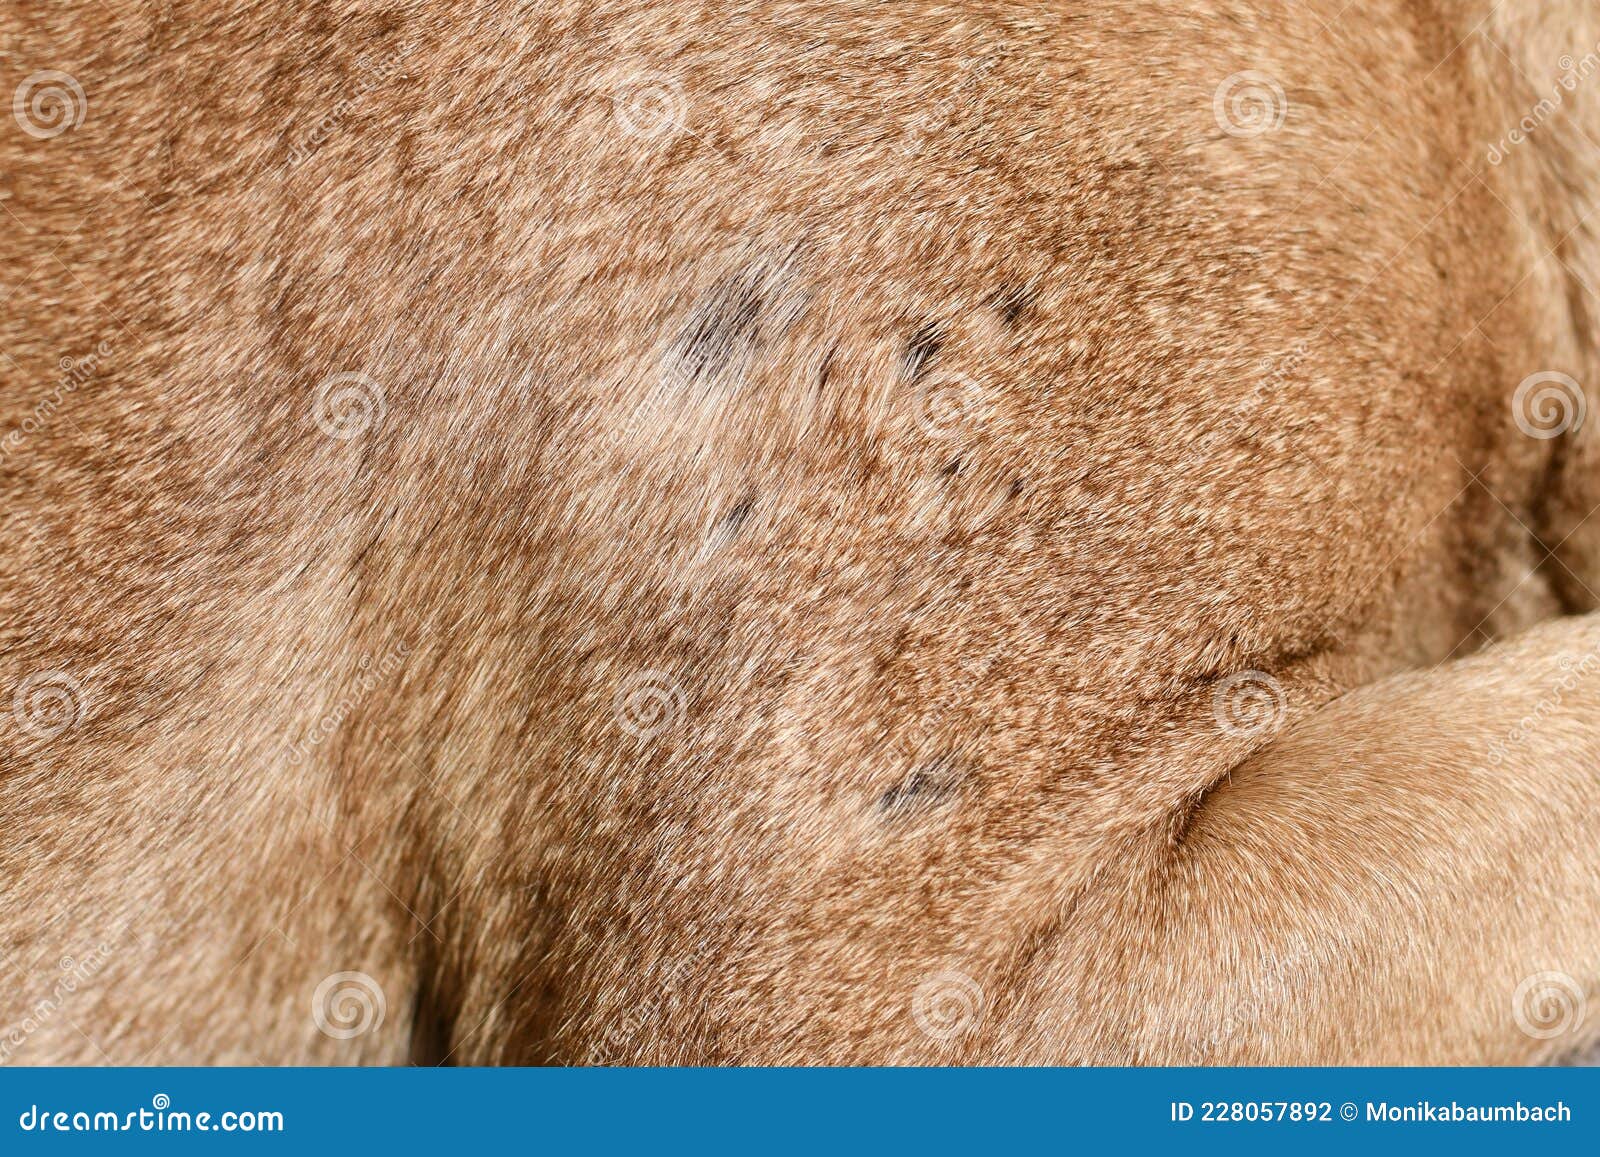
874 533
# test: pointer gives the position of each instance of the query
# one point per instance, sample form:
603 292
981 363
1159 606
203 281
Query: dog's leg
1407 876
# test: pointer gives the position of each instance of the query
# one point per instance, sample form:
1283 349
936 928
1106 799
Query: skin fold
829 532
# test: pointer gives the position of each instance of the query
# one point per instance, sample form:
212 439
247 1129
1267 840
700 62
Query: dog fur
926 422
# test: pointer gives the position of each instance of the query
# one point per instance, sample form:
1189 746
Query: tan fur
937 418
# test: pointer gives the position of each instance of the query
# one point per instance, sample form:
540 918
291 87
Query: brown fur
935 419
